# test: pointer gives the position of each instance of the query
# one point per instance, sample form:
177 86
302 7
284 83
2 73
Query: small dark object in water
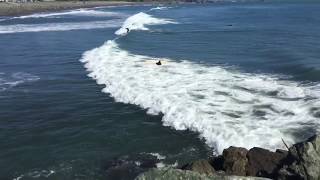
127 30
158 63
229 25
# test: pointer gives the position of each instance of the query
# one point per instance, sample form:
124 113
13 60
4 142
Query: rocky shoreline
15 9
300 161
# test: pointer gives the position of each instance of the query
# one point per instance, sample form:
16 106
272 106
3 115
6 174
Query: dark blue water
55 123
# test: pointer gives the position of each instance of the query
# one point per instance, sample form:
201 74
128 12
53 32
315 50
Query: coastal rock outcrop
235 161
201 166
177 174
303 161
264 163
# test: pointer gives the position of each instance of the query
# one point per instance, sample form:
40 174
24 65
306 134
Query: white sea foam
139 21
18 28
64 168
161 164
160 8
226 107
78 12
36 174
8 81
158 156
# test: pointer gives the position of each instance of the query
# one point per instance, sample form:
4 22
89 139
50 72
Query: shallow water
75 91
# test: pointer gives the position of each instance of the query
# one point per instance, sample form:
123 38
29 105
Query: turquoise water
232 74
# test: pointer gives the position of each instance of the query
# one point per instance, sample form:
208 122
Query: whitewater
227 107
63 26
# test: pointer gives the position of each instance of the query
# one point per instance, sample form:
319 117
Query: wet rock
128 167
201 166
264 163
177 174
217 163
235 161
305 161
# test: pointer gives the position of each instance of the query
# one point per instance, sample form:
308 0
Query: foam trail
18 28
160 8
225 106
8 81
139 22
78 12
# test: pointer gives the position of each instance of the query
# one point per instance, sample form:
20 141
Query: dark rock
128 167
305 161
264 163
287 172
201 166
217 163
235 161
178 174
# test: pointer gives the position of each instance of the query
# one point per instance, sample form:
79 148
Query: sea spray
139 22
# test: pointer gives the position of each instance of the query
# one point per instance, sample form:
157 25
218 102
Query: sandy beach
14 9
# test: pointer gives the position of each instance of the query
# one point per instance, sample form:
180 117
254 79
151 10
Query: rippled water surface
77 89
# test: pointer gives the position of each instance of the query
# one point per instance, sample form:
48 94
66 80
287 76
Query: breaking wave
160 8
18 28
78 12
139 22
226 107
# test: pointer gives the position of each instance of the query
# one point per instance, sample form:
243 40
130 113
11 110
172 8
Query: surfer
158 63
128 30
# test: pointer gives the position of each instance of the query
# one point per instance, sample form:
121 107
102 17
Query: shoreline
18 9
299 161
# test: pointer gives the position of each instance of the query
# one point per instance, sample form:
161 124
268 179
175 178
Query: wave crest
19 28
160 8
78 12
139 22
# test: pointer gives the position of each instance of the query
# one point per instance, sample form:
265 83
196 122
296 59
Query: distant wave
160 8
18 28
8 81
78 12
139 21
224 106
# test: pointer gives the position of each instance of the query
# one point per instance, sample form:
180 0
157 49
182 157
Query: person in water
127 30
158 63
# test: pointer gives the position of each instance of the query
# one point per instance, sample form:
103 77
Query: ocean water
77 90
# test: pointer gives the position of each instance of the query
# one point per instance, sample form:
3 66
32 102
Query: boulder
304 161
217 162
264 163
235 161
177 174
201 166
